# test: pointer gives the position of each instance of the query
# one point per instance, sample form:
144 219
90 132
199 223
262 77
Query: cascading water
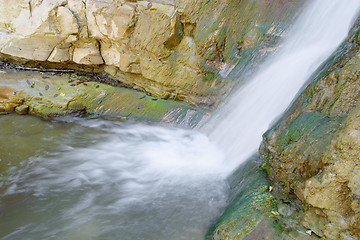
92 179
316 34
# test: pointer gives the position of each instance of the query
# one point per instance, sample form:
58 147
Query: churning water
92 179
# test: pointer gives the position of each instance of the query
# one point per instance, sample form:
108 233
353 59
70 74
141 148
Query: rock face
313 151
177 49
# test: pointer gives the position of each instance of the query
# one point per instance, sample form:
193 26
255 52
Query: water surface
91 179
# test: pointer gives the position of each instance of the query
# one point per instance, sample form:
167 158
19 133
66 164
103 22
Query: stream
85 178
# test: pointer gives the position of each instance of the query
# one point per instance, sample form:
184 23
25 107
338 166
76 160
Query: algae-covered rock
51 95
252 208
313 151
254 212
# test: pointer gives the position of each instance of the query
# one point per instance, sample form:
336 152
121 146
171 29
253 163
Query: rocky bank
173 49
313 151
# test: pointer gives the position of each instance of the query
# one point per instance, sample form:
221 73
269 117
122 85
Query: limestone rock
157 29
36 19
61 52
111 52
8 12
23 109
119 56
174 45
29 48
67 23
109 19
87 52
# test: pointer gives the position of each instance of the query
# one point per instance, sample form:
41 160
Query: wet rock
23 109
10 107
313 151
91 97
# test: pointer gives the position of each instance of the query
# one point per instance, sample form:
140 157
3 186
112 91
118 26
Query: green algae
58 95
312 128
250 204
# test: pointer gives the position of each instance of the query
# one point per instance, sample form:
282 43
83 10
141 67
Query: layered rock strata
174 49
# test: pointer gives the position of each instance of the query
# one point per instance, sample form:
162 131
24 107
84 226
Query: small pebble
40 94
141 106
47 87
56 95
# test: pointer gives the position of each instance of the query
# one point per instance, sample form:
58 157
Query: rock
60 97
156 30
23 109
87 52
10 107
173 47
314 149
60 53
9 12
108 19
28 48
67 23
119 56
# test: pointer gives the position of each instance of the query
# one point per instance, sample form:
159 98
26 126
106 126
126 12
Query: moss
56 95
309 125
250 204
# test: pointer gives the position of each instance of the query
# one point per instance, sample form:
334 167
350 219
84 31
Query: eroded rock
177 49
87 52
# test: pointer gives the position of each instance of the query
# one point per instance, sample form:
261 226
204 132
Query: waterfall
239 125
81 178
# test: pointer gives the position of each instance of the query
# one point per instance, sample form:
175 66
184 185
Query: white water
92 179
321 28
